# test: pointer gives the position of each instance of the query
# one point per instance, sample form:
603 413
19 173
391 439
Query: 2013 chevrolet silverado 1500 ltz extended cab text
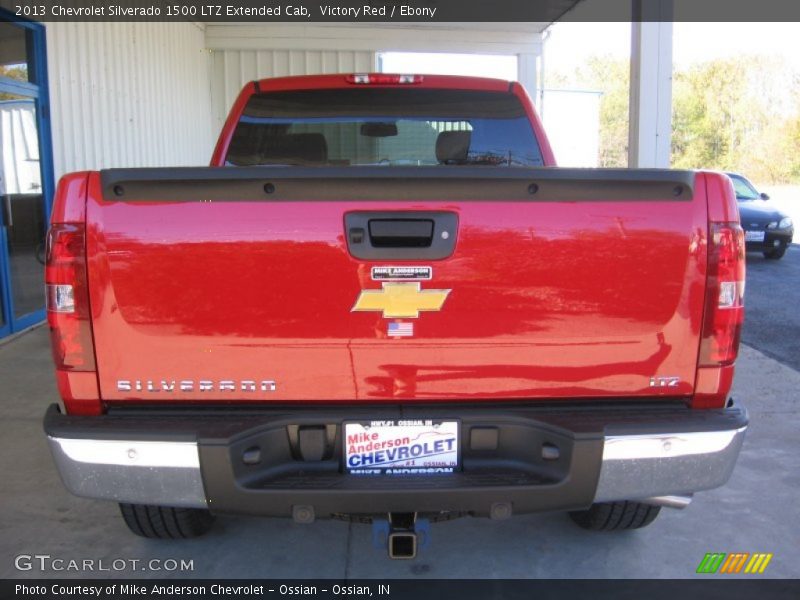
382 302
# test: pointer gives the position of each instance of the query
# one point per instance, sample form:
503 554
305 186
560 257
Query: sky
502 67
570 44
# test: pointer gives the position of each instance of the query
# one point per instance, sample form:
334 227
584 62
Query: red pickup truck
382 302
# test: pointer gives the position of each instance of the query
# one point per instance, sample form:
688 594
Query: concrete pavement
772 297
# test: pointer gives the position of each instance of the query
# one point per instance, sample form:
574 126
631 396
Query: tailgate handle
401 235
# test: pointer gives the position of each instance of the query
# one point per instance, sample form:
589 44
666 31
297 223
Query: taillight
724 310
383 79
67 296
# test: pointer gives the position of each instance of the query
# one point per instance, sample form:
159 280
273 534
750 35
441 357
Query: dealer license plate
753 236
419 447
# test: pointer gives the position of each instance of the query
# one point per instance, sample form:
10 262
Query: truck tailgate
243 284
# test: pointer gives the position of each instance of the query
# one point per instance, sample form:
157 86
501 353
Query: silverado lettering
189 385
572 350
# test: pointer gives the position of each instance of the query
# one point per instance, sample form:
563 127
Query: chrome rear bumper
644 466
139 472
197 462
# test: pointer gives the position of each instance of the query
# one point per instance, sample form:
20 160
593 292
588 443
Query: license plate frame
402 447
754 236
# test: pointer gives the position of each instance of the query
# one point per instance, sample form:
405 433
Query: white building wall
128 95
231 69
156 94
572 122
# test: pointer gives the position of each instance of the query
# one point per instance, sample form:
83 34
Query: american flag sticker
401 329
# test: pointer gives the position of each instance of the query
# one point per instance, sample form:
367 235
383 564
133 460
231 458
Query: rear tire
776 254
166 522
616 516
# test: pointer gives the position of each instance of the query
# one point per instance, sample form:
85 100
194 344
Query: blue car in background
766 229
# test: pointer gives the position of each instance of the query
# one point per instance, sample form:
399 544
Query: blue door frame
38 92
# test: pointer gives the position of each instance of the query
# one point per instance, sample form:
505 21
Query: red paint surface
549 300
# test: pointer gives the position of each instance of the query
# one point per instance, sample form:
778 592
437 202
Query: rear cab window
384 127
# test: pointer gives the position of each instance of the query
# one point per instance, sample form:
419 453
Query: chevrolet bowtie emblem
400 300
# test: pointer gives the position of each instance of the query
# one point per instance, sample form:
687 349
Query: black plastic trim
367 249
442 183
188 422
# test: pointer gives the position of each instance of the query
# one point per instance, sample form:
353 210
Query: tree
16 72
736 114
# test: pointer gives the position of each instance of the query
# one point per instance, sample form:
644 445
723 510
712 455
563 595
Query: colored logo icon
737 562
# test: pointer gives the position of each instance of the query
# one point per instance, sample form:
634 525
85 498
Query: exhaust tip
402 545
678 502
